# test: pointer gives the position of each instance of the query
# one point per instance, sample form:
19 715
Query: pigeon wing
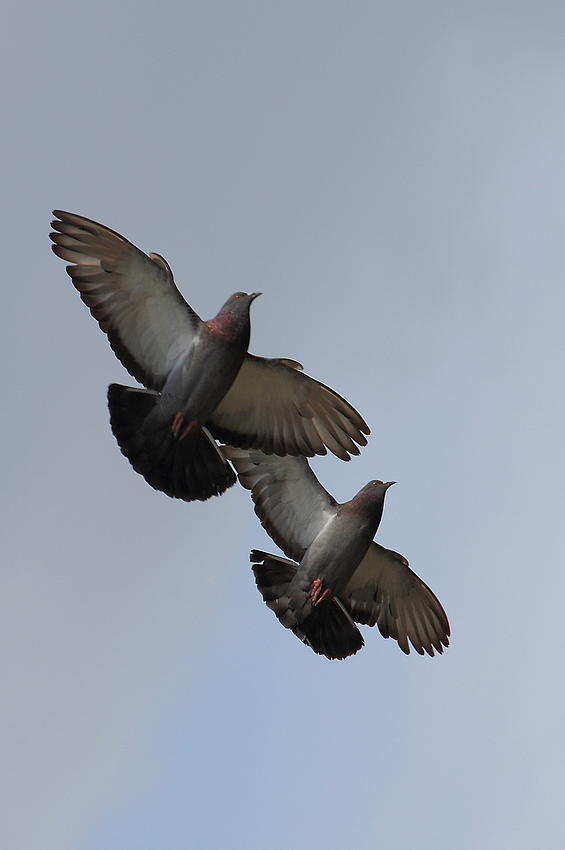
384 591
132 296
289 500
274 407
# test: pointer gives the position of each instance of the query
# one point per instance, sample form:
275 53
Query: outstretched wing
274 407
289 500
132 296
385 591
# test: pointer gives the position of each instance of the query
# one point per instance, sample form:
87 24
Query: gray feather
333 543
202 371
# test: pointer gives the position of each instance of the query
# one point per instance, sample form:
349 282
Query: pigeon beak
254 295
389 484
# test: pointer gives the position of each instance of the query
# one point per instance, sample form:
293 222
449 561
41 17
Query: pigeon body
338 575
201 384
168 444
336 551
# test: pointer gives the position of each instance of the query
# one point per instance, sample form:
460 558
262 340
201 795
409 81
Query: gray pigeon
342 576
200 382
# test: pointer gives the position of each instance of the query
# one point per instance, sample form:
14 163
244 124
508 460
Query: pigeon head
370 500
233 318
240 302
376 489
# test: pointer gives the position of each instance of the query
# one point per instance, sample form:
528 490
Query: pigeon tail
328 629
185 469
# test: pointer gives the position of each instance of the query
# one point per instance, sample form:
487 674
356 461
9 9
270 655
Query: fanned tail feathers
328 629
183 469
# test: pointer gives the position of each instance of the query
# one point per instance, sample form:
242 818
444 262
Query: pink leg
177 422
316 592
188 429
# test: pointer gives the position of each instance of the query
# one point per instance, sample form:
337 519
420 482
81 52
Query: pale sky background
391 174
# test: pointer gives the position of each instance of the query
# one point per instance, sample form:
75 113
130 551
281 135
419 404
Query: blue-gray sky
392 176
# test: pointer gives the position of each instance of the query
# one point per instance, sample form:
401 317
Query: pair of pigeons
201 385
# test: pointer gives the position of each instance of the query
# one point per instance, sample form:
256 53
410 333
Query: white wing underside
289 500
384 591
133 297
282 407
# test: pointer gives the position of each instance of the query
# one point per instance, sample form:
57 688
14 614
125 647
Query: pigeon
338 576
200 384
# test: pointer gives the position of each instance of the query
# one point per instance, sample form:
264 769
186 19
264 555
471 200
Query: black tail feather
186 469
328 629
272 574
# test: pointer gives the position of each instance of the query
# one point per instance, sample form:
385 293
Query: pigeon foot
178 422
316 592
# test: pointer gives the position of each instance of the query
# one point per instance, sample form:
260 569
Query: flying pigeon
338 575
200 382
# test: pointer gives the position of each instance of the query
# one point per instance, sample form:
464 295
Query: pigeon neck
364 504
230 326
